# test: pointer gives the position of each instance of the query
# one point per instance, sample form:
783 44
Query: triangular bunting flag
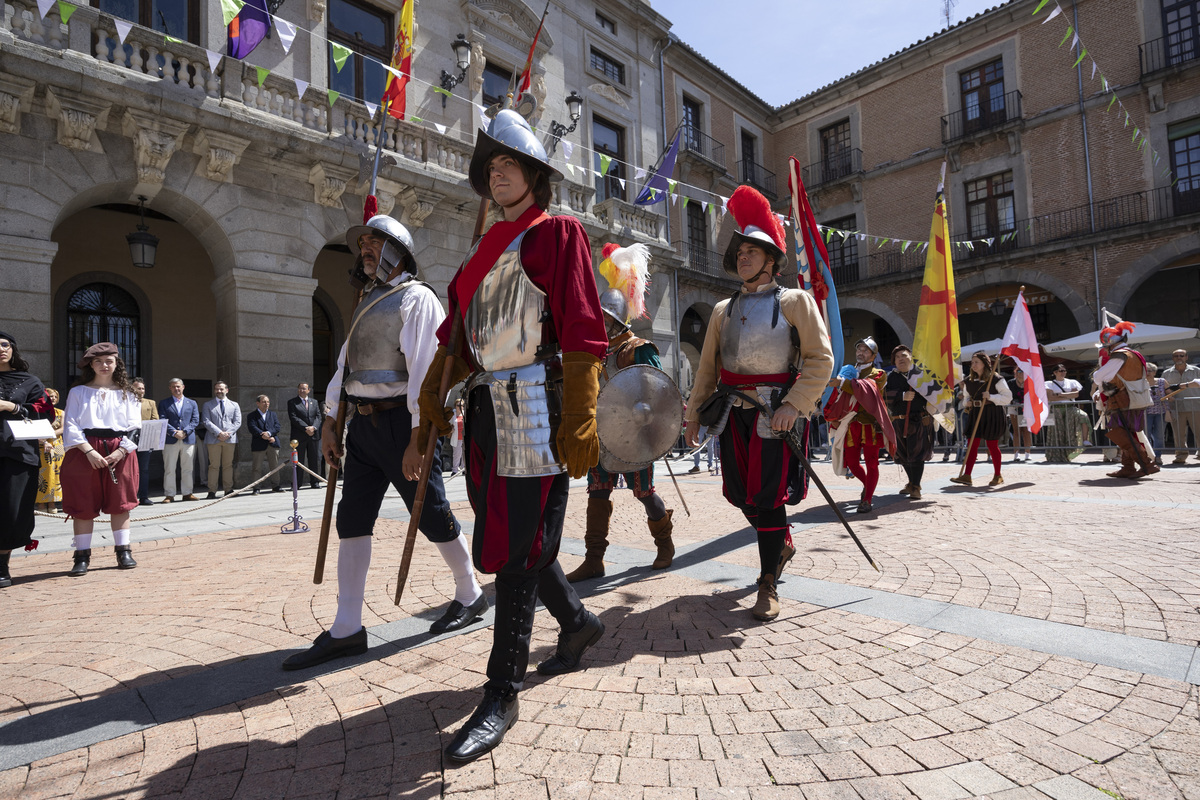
639 174
173 40
671 185
263 72
287 34
685 202
301 87
340 54
1057 10
415 119
704 206
674 198
333 96
230 9
65 10
123 29
568 150
371 109
724 205
440 128
44 7
622 182
1093 71
214 60
605 161
571 169
1040 6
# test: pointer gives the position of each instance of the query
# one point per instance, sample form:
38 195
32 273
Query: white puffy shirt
90 407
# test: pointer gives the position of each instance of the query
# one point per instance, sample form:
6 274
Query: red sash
493 243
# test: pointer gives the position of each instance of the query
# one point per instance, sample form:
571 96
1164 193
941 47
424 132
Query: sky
833 39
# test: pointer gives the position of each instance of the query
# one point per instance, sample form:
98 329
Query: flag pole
383 115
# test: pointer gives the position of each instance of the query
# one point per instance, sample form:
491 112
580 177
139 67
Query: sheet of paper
31 429
154 435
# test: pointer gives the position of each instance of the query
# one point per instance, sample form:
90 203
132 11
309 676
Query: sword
678 491
789 439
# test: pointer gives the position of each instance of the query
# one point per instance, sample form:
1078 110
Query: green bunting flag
685 201
1040 6
415 119
1082 55
333 96
440 90
173 40
1066 35
1110 102
230 9
605 162
65 10
263 72
340 54
671 186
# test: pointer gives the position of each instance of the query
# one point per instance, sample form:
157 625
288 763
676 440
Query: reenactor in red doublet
771 343
1125 395
534 336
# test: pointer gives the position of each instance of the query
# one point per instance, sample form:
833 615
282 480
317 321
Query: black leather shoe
254 492
124 557
316 485
571 647
277 489
326 648
146 502
82 559
458 616
485 729
210 496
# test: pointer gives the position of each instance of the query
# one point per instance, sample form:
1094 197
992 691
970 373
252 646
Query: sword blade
678 491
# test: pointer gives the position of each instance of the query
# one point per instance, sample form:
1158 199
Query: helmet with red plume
757 224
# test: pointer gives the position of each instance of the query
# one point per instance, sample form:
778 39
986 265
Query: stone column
264 343
27 307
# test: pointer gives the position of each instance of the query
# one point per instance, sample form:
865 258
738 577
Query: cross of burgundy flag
1020 344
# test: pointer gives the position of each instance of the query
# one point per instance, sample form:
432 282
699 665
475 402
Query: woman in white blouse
99 471
1069 425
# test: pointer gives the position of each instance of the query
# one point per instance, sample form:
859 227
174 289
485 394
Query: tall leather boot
1128 468
5 578
125 557
595 538
661 529
82 559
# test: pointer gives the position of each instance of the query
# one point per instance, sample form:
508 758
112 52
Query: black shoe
485 729
693 470
82 558
571 647
459 616
277 489
326 648
254 492
227 493
210 496
125 557
5 578
146 502
316 485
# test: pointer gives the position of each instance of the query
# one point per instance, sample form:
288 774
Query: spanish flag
394 96
936 344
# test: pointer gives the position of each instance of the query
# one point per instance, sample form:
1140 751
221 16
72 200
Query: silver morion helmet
398 245
508 133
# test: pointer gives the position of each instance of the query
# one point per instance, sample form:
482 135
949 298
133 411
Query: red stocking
993 446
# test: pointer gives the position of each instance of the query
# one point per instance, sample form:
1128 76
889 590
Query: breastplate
755 340
373 352
504 321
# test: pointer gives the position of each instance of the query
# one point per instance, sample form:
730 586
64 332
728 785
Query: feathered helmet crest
1116 335
627 270
756 223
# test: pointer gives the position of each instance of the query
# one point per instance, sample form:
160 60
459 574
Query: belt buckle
366 409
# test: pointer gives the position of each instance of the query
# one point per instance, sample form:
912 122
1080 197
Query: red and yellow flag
936 344
527 74
394 95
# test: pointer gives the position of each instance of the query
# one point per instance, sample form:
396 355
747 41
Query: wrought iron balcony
704 262
693 140
994 113
832 168
1169 51
757 176
891 260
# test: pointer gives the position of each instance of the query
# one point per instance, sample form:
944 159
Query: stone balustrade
23 21
618 215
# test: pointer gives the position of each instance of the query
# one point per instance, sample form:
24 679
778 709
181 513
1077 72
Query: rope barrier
222 499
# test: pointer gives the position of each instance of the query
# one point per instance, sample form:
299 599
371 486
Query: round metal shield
639 415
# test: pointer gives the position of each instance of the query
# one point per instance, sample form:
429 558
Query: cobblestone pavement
164 682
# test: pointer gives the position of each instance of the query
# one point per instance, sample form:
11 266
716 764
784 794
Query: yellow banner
936 343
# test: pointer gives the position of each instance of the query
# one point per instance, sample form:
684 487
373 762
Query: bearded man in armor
625 269
769 342
534 335
391 343
1125 396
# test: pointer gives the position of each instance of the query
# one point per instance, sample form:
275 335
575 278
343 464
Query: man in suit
149 411
222 417
182 416
305 415
264 439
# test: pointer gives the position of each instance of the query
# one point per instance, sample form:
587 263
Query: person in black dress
22 396
911 419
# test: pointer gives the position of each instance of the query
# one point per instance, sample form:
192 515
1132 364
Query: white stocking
354 557
458 557
121 537
83 541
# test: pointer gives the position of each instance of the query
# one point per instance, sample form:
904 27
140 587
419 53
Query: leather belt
374 406
104 433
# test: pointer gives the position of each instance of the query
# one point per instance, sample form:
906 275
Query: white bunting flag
568 150
571 169
674 198
724 205
622 182
1057 10
641 173
1075 41
44 7
371 109
123 29
1093 71
440 128
287 34
301 88
214 59
704 206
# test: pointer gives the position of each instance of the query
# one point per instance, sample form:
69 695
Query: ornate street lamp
462 57
143 245
557 129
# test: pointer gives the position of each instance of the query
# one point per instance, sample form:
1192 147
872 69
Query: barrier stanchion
296 524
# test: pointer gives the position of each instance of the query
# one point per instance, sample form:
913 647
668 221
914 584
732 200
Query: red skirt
89 492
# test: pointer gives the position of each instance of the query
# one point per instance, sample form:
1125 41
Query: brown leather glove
432 406
578 444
